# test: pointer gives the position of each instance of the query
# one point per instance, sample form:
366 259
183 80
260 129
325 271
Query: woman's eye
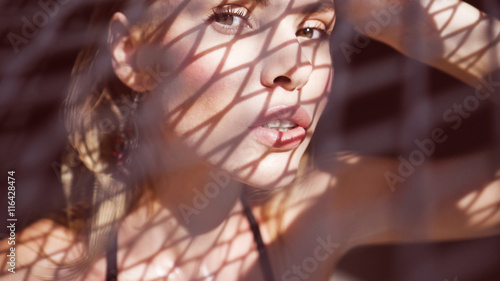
229 18
311 33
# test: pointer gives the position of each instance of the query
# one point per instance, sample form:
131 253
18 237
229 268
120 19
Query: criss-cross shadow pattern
146 121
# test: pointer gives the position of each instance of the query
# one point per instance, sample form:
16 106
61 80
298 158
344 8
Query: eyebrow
318 7
262 2
314 8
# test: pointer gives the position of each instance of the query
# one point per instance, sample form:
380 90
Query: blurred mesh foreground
371 93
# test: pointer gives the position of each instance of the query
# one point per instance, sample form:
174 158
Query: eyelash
244 15
318 27
228 10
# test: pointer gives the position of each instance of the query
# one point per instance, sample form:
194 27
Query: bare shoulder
332 194
36 252
347 179
386 200
337 196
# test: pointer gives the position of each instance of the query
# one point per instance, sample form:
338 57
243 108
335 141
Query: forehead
305 6
308 4
299 6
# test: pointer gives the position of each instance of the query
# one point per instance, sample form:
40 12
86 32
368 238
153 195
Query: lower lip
280 140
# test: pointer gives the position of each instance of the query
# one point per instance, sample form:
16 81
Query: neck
199 198
191 201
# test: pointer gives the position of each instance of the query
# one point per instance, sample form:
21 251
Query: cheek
199 99
319 87
189 75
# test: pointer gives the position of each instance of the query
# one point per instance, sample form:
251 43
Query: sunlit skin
228 72
233 62
223 65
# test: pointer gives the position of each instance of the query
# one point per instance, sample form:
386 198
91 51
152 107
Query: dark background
381 103
373 96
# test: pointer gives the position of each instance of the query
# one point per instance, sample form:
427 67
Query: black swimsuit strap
111 266
264 261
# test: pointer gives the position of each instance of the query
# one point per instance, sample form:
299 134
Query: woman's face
243 83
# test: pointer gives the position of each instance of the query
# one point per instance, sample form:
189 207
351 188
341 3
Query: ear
123 49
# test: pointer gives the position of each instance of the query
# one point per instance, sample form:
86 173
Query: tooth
287 124
280 125
274 123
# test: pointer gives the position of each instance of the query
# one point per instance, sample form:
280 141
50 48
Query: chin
275 170
272 183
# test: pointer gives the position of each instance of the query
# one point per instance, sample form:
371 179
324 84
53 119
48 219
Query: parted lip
295 113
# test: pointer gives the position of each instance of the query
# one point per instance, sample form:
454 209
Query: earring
128 138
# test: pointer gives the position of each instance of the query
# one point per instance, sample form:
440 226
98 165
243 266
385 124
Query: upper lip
296 113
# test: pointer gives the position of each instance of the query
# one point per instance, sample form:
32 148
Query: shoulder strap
111 267
264 261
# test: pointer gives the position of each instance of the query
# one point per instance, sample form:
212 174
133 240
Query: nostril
282 80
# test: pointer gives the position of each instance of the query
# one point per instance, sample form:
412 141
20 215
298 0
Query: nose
285 65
